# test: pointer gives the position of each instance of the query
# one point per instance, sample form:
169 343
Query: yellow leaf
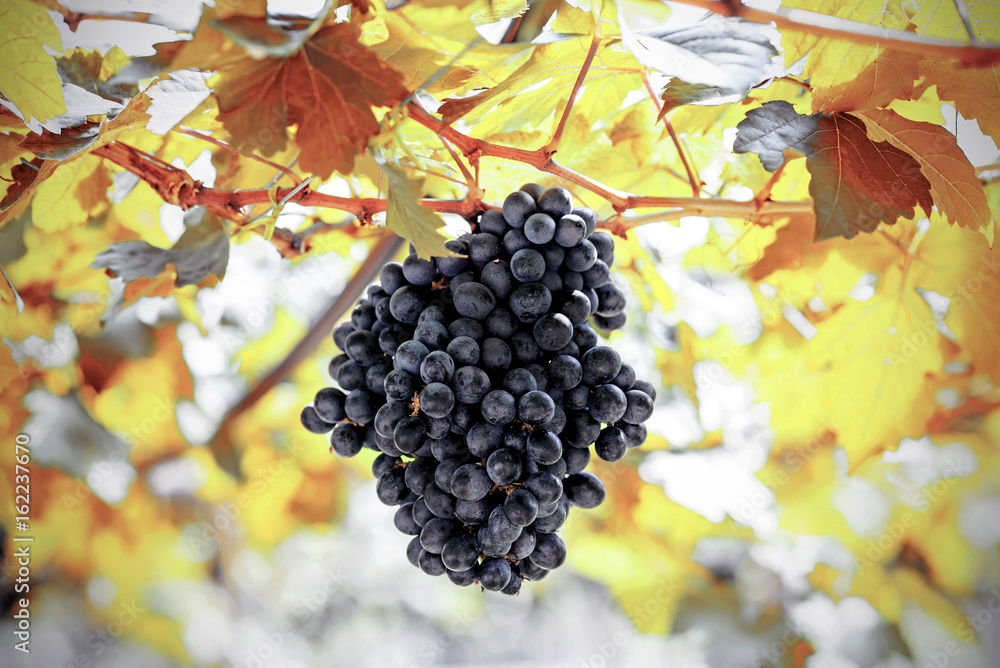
28 77
406 217
500 9
955 187
846 75
76 192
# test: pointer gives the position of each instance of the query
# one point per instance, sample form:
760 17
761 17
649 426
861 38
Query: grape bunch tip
480 382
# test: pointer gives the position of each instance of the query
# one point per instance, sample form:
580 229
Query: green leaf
406 217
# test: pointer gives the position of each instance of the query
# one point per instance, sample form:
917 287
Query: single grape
483 438
585 490
503 467
453 265
524 348
406 304
437 399
625 378
403 519
351 376
499 407
550 551
473 512
576 459
600 365
470 384
553 331
418 271
420 473
535 408
570 230
341 332
494 573
437 367
409 355
604 243
521 507
529 301
635 434
580 257
545 487
501 323
639 407
431 563
523 545
517 207
329 405
495 355
474 300
483 248
498 278
492 221
361 405
470 482
391 488
556 202
460 552
533 189
409 434
539 228
466 327
432 334
527 265
518 381
347 439
607 403
441 503
544 447
463 350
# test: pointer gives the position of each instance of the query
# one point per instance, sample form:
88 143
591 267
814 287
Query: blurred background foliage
820 486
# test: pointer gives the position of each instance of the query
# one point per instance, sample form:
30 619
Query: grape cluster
481 383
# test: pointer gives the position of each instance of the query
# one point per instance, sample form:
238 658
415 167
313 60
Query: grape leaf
173 98
726 52
955 187
406 217
678 93
74 193
856 183
201 251
33 87
500 9
533 93
975 91
327 89
92 71
845 75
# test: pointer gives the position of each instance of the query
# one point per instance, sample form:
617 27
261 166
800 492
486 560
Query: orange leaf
328 89
955 187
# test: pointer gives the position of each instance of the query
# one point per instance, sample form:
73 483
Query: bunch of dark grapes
481 383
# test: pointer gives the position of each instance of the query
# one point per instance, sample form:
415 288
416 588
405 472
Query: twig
296 179
553 144
982 54
694 180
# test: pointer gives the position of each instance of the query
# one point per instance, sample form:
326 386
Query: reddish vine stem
296 179
553 144
695 181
